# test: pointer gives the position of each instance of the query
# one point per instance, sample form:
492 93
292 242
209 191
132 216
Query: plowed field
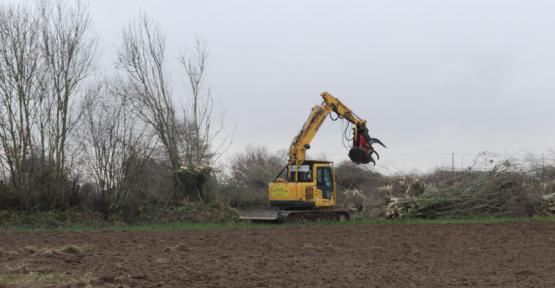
390 255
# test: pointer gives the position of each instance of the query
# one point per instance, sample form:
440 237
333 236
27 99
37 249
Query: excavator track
296 216
299 216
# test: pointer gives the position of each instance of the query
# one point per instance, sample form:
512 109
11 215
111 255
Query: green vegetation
178 226
70 249
33 249
36 278
187 212
462 220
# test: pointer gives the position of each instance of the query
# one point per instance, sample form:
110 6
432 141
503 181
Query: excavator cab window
325 181
304 173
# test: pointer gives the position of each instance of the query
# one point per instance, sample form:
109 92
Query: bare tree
46 53
20 98
198 122
142 59
115 146
69 54
187 138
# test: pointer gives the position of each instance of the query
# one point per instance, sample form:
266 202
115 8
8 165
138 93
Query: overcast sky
431 77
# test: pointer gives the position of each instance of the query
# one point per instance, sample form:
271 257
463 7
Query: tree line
69 137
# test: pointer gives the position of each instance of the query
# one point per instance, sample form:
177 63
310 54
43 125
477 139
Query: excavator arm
362 149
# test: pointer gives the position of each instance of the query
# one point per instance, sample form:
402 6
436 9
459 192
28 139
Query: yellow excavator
306 189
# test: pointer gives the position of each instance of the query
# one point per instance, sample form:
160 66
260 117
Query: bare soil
397 255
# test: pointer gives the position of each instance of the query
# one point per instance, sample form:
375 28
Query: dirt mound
473 255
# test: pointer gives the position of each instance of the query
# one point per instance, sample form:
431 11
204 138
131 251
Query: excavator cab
310 184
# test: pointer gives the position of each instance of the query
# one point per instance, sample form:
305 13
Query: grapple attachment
362 150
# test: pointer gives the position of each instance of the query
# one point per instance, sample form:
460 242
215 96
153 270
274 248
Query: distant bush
360 189
249 175
193 182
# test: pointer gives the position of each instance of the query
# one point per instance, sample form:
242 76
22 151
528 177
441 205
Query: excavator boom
360 153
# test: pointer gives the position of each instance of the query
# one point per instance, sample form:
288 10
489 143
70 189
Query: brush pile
502 191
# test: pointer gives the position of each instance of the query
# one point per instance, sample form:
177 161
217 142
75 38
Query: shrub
249 175
359 188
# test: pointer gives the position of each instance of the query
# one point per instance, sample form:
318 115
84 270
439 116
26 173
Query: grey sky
431 77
